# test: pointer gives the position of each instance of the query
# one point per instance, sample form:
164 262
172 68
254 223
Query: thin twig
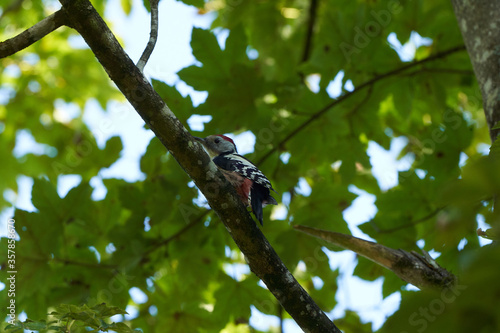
72 262
313 8
153 36
442 70
355 91
33 34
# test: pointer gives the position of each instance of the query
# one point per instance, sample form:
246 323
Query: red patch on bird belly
243 185
244 190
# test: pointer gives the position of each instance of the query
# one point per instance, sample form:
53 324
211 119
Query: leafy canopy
273 77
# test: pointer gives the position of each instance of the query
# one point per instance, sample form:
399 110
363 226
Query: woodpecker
252 186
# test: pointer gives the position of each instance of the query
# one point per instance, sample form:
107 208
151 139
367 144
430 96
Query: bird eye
217 140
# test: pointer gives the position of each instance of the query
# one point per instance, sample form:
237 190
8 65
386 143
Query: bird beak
206 146
200 140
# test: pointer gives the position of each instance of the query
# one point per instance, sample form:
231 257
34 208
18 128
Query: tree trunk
479 22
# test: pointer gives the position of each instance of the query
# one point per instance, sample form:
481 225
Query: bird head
217 144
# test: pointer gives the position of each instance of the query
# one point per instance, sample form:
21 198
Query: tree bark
479 22
33 34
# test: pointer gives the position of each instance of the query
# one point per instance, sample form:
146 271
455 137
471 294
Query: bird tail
259 197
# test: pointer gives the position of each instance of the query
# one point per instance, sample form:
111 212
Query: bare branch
421 271
221 196
359 88
153 36
33 34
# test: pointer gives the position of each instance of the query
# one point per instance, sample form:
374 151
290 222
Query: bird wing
242 166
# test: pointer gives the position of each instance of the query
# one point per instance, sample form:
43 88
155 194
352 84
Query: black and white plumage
251 184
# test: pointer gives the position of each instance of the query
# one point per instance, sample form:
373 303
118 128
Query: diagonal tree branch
153 37
221 196
359 88
421 271
33 34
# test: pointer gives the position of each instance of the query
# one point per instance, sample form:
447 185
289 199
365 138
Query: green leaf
126 6
403 97
236 45
496 126
27 325
352 322
45 197
206 50
104 310
224 308
181 106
